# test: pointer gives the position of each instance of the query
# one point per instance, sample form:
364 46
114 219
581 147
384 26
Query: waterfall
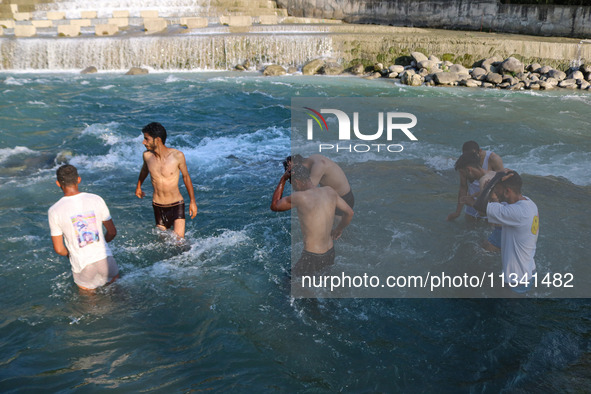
578 61
164 52
105 8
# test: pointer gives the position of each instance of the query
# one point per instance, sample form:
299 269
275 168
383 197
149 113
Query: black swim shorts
313 263
349 199
166 214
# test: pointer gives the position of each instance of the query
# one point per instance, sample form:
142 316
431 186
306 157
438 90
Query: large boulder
488 64
312 67
471 83
585 68
446 78
557 74
534 67
494 78
332 69
274 70
512 65
458 68
395 68
428 64
136 71
544 70
418 57
478 73
357 69
411 78
568 83
577 75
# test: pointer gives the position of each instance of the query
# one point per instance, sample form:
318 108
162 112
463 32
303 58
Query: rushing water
219 315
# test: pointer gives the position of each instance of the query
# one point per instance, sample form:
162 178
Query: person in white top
76 222
520 220
488 161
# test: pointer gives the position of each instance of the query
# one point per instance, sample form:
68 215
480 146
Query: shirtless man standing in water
164 164
316 211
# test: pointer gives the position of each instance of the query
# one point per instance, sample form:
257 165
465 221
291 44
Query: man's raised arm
461 193
279 203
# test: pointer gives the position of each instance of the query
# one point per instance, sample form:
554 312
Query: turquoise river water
218 314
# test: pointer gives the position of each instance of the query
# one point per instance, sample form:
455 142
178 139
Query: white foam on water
249 147
107 87
106 132
24 238
171 79
551 160
6 153
15 82
190 263
39 103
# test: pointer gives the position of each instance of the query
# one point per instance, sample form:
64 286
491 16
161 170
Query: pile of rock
494 72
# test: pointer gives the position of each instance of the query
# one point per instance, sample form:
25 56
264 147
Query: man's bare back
316 211
326 172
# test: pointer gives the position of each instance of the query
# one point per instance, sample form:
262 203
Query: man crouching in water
316 210
164 164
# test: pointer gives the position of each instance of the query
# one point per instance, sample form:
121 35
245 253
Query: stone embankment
493 72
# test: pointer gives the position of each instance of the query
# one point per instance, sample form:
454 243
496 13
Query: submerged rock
89 70
136 71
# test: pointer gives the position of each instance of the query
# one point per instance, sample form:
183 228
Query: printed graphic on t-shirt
535 225
85 228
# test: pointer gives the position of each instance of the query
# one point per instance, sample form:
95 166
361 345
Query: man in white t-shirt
520 220
77 220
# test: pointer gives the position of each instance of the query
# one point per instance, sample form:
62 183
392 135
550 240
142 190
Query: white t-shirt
79 219
520 223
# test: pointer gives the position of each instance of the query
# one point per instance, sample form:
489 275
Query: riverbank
220 47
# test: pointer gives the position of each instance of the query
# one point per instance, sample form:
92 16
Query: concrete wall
485 15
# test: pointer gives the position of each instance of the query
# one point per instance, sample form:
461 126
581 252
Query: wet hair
299 173
297 159
470 146
513 182
155 130
468 159
67 175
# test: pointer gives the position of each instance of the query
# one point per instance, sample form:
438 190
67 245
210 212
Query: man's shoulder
177 153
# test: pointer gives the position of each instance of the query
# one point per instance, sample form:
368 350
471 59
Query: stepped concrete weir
219 35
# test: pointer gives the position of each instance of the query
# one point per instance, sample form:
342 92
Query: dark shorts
166 214
349 199
313 263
